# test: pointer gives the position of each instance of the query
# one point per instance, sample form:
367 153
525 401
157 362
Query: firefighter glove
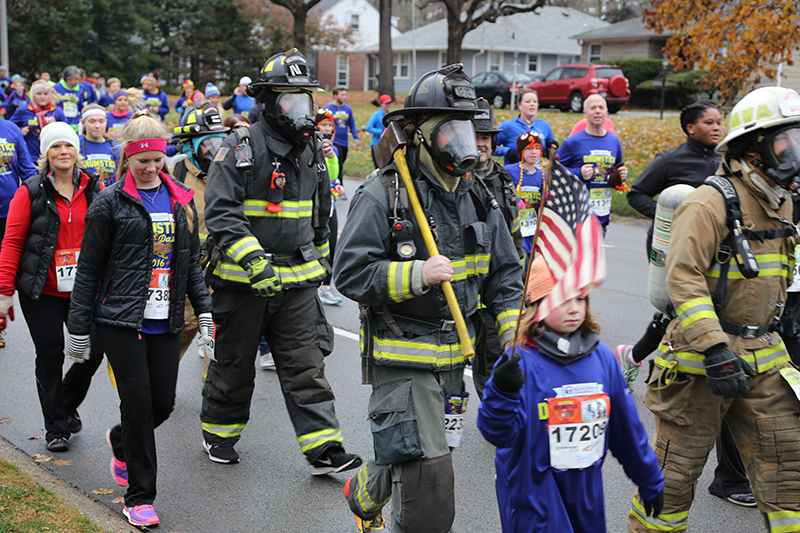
725 372
655 506
263 279
207 330
507 375
77 347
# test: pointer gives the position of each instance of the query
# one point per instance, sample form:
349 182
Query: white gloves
207 330
77 347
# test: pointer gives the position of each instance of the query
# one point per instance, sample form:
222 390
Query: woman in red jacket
39 256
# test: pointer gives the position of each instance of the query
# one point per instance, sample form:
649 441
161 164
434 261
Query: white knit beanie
57 132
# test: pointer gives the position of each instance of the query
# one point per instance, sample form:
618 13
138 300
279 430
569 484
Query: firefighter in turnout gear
411 353
499 182
199 135
728 268
267 204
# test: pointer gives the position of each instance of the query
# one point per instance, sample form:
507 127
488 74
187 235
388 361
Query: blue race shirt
15 163
116 123
513 128
102 159
529 191
343 115
159 205
71 103
158 100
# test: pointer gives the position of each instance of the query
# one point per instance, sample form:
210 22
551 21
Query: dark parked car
496 86
568 86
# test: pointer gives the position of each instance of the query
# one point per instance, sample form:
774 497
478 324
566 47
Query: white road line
354 336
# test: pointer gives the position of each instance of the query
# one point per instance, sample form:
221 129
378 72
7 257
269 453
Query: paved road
272 489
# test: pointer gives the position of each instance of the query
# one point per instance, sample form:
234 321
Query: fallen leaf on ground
62 462
121 499
34 437
5 420
39 458
103 491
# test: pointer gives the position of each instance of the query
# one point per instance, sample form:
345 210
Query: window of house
533 62
354 21
495 61
442 58
595 52
402 64
342 71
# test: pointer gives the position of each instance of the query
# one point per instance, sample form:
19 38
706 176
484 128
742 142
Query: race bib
601 201
70 109
527 222
795 286
454 408
792 377
577 430
66 266
158 295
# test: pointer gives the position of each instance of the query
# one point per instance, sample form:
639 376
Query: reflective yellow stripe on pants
664 522
309 441
225 431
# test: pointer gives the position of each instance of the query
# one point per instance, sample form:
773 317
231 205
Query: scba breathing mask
293 114
781 155
452 145
201 150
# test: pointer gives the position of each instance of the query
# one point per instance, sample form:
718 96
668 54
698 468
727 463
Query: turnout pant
295 328
764 425
58 397
146 371
412 466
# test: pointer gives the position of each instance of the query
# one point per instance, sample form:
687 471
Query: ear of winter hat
57 132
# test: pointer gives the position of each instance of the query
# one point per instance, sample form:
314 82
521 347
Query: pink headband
145 145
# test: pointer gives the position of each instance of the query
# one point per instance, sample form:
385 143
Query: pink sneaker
119 470
141 515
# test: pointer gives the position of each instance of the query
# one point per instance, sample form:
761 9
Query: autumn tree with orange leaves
738 41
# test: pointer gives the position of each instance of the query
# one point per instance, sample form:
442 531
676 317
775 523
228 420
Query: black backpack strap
244 157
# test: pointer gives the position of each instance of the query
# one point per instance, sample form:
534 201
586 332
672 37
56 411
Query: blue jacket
535 497
375 126
513 128
25 117
343 115
15 163
241 104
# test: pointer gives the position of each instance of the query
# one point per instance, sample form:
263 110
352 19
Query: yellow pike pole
391 147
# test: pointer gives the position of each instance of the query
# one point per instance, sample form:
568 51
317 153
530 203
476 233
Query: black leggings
146 372
59 398
342 158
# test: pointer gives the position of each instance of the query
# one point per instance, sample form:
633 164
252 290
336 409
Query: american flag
570 240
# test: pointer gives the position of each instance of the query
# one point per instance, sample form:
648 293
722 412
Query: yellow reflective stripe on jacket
287 273
225 431
692 363
664 521
309 441
243 247
471 265
694 310
768 264
782 521
289 209
415 352
399 279
507 321
515 225
365 501
203 237
324 249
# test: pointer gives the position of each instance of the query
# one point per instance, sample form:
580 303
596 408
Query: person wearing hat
498 181
528 178
17 98
101 153
556 403
239 100
45 227
119 114
154 98
270 227
412 355
185 100
41 111
375 125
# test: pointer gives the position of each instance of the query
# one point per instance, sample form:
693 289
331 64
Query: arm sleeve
502 287
227 104
569 159
18 224
649 183
98 240
502 140
375 124
333 169
322 231
627 437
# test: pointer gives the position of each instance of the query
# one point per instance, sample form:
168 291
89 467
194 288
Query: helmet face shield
204 149
294 111
782 149
454 147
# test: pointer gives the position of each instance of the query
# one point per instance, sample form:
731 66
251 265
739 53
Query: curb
69 494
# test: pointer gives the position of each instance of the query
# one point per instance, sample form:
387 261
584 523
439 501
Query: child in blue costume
553 410
528 178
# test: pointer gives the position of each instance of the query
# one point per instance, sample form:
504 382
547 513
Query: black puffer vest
42 238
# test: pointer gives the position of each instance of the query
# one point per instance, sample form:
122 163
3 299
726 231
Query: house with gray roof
530 43
629 39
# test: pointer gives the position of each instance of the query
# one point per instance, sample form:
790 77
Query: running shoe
141 515
629 369
58 445
2 339
265 361
119 471
334 460
221 454
364 526
74 423
328 295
